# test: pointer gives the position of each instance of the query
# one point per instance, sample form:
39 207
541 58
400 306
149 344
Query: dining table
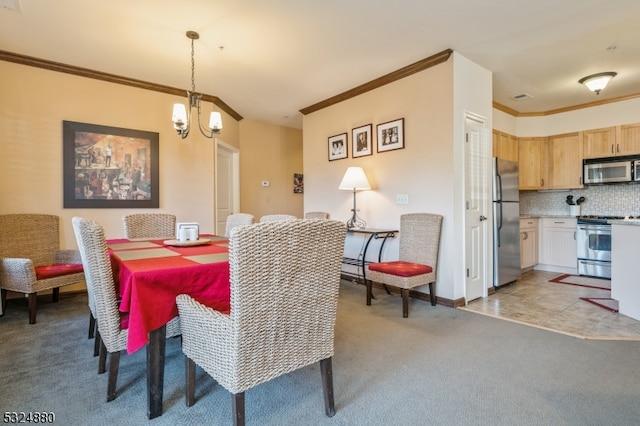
149 274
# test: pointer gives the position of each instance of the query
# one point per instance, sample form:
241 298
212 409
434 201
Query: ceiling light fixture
597 82
182 117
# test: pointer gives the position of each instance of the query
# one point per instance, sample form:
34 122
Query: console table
361 261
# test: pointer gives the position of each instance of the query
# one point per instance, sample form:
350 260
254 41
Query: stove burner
599 219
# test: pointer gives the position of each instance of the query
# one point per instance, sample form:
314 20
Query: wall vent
522 97
10 4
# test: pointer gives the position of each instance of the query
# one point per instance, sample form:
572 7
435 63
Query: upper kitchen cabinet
565 161
599 143
629 139
612 141
533 163
505 146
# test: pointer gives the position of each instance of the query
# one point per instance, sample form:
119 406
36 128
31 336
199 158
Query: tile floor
534 301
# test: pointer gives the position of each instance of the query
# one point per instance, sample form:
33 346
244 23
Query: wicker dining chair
284 292
101 288
149 225
237 219
31 260
316 215
418 258
276 218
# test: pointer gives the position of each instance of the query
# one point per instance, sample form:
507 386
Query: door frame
487 237
235 181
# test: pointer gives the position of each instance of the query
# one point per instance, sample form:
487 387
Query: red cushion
57 270
400 268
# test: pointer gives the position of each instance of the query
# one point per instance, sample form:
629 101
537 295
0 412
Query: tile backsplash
605 200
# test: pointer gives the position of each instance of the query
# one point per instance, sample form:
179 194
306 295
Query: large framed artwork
361 140
109 167
391 135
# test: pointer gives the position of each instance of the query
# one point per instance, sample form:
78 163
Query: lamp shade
215 121
354 180
179 115
597 82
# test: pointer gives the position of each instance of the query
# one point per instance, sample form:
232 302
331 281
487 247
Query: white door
477 202
227 184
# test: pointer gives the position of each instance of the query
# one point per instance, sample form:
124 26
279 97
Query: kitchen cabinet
565 161
599 143
612 141
557 246
505 146
528 243
532 160
629 139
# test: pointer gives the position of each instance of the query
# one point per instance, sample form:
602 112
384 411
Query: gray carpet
441 366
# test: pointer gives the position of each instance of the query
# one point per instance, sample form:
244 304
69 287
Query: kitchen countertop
632 222
541 216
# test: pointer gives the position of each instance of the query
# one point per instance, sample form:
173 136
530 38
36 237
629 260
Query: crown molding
111 78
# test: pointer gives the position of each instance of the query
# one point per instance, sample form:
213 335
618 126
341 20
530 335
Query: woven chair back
420 238
30 236
149 225
237 219
99 279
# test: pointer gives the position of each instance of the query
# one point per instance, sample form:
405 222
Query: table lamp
355 180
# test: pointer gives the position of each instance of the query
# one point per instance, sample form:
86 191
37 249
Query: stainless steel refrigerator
506 222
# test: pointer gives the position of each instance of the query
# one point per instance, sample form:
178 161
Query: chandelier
182 116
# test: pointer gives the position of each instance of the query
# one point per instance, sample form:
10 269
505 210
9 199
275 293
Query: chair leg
102 360
3 298
327 386
369 285
33 306
405 302
55 296
114 364
190 381
92 326
97 342
432 294
237 405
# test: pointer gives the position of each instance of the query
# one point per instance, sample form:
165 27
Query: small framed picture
361 140
338 147
391 135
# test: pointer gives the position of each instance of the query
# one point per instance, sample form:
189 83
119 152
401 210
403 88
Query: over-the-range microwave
611 170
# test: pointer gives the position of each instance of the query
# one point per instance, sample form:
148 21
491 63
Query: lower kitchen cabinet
528 243
558 249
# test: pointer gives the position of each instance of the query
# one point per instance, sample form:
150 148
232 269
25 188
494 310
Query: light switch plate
402 198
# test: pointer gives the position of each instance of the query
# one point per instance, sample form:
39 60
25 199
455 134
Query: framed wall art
109 167
361 141
391 135
338 148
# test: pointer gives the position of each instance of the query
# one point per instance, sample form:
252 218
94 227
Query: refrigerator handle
499 222
499 194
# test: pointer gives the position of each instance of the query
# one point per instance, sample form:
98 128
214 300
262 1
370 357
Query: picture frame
298 183
391 135
361 141
338 147
109 167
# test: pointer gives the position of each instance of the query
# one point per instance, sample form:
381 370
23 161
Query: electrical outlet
402 198
265 183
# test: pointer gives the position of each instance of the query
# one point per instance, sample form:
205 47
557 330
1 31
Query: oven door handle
605 228
594 262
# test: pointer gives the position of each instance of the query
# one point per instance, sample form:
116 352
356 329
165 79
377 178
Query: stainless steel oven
593 239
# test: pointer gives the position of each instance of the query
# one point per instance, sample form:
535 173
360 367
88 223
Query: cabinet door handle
618 148
612 151
526 235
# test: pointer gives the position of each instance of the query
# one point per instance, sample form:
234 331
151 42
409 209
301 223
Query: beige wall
269 153
35 101
423 169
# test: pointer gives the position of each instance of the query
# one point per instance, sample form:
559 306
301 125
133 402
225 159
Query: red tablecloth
150 275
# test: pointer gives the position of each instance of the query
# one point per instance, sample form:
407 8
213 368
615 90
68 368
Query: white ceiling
279 56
